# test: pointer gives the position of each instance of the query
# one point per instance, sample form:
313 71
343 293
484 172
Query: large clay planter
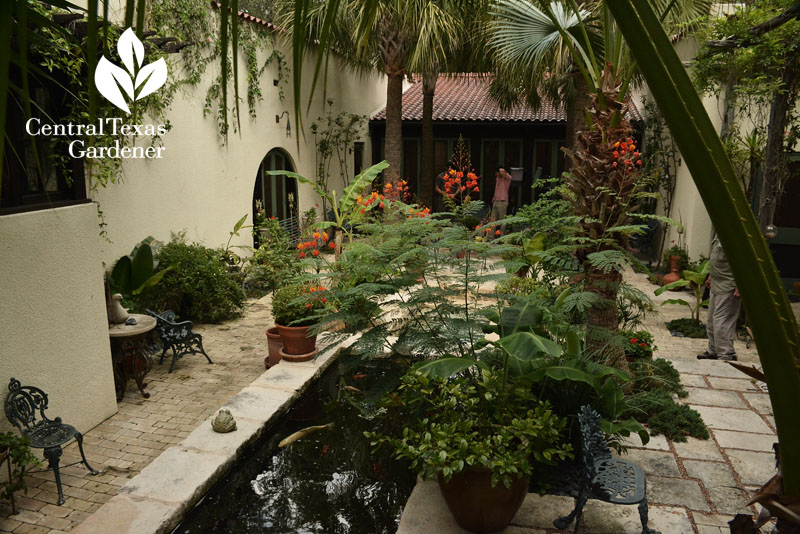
295 339
274 346
674 266
479 507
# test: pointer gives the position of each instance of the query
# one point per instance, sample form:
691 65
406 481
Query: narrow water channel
327 482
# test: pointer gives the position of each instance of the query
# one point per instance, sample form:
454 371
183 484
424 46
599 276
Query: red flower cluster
317 289
313 245
400 192
624 152
422 213
635 341
455 183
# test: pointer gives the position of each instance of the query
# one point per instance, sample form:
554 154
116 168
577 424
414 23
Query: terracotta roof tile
466 98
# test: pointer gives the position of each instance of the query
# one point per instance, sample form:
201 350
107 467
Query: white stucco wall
203 187
53 323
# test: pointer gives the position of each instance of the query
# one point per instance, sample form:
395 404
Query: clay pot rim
273 331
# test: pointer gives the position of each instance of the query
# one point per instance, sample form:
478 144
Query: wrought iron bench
21 406
178 337
605 478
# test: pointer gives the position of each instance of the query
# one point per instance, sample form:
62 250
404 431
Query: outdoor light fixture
770 231
288 124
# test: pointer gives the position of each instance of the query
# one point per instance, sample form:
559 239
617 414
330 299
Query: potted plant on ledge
295 308
478 436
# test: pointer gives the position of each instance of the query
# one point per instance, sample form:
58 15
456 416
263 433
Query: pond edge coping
157 499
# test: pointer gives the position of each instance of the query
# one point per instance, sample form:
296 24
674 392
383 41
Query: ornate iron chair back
21 406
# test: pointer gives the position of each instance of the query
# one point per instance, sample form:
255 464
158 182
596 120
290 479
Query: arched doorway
277 195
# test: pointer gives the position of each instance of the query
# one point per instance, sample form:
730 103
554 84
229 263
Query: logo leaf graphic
153 76
127 46
106 77
109 78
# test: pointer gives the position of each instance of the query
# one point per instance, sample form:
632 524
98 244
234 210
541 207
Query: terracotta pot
298 357
295 339
674 266
274 345
479 507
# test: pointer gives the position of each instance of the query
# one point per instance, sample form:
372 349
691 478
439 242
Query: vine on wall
193 21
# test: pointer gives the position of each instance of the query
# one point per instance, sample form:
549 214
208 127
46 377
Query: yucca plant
772 320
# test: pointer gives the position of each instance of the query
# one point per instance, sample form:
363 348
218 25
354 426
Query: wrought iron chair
178 337
21 406
605 478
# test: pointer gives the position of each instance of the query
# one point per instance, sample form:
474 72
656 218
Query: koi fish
301 434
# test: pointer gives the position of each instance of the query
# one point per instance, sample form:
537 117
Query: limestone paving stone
654 462
677 492
711 523
605 518
714 397
657 442
258 404
711 368
732 419
744 440
754 468
205 439
698 449
734 384
720 484
759 401
696 381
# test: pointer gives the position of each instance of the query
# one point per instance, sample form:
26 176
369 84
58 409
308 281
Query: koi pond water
328 481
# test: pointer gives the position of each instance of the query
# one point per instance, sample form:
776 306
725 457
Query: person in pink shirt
502 181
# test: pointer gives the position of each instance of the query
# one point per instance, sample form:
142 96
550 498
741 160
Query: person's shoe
728 358
707 356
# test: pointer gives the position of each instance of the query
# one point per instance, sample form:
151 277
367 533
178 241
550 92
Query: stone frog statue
223 422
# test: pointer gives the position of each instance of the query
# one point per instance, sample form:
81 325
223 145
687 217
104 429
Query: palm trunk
602 322
774 158
576 106
426 177
393 144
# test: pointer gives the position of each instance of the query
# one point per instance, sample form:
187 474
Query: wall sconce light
288 124
770 231
275 82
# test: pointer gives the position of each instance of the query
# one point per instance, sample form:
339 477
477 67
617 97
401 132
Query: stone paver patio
124 444
692 487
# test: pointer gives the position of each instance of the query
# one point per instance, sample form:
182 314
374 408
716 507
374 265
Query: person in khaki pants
723 307
502 181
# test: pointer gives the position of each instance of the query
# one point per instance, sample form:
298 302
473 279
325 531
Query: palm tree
392 35
549 49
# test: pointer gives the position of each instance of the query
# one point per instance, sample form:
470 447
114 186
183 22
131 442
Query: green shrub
198 287
664 416
298 304
688 327
273 264
656 374
679 251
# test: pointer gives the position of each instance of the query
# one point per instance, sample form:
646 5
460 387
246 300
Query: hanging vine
194 22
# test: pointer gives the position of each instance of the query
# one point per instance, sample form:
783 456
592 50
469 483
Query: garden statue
223 422
117 314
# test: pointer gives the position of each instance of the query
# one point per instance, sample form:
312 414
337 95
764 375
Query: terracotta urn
479 507
674 266
274 346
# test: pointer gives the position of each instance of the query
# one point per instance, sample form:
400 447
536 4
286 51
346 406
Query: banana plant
344 208
767 305
696 282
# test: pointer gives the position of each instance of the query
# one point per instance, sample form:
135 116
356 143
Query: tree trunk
576 120
602 322
393 143
428 172
774 174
